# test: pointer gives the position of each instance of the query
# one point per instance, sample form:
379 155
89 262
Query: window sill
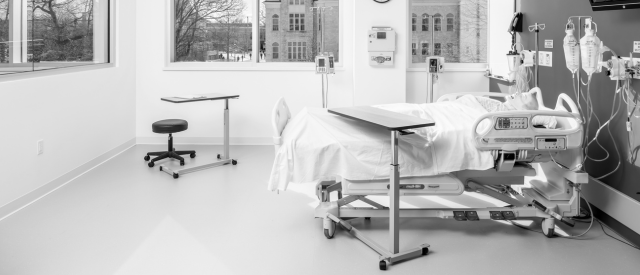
244 67
57 71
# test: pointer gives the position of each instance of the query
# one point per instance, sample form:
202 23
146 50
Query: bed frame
552 199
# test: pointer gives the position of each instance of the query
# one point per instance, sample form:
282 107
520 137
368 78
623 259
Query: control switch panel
559 143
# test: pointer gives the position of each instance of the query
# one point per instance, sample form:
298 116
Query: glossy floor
125 218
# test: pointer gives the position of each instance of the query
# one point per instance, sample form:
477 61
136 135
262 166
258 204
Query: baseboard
614 203
33 196
206 140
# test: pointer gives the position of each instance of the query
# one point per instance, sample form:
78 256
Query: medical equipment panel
325 64
382 45
436 64
508 123
551 143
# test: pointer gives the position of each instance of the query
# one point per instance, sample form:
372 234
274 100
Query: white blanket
317 145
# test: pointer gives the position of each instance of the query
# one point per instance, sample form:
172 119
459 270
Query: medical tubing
595 138
615 145
590 223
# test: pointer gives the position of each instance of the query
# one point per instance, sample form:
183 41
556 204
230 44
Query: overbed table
395 123
222 159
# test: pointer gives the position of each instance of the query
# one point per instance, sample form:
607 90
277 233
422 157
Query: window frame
254 65
275 23
110 62
451 67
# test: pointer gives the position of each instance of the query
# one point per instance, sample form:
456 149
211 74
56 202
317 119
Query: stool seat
170 126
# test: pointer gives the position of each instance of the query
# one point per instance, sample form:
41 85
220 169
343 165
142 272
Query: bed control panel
411 186
553 143
512 123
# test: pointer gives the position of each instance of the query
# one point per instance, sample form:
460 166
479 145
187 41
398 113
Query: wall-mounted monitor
604 5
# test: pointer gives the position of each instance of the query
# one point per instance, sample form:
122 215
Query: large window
452 29
240 31
414 22
275 21
425 22
296 22
414 48
48 34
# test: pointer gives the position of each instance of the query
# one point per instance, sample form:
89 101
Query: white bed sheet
317 145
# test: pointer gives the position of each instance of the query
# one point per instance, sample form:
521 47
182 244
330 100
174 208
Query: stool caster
181 163
193 155
147 158
234 162
151 164
175 175
219 157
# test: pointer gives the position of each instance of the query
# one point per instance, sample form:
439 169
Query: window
449 22
414 21
437 22
414 48
275 50
425 22
296 22
297 50
223 31
314 27
459 25
276 22
52 34
425 48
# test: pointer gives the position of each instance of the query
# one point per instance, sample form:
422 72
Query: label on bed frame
512 140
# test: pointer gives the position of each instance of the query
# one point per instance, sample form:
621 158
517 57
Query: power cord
605 232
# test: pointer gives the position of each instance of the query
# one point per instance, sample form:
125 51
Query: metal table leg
394 196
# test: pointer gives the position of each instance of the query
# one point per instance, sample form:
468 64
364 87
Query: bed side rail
498 134
452 97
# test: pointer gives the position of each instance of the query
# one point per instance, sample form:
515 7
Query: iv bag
571 50
590 50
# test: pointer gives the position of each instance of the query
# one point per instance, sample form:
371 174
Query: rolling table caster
147 158
176 175
151 164
384 264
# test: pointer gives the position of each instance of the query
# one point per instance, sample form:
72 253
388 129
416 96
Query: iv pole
325 93
537 28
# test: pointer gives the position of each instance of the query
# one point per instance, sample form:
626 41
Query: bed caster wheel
219 157
329 227
383 265
548 227
192 155
425 250
147 158
175 176
151 164
234 162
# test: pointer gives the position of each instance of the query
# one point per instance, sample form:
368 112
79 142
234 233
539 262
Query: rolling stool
169 126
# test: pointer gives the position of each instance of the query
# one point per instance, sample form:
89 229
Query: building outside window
53 34
275 50
276 22
414 48
425 22
466 27
318 31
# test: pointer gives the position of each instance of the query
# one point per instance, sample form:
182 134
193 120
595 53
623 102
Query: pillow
548 122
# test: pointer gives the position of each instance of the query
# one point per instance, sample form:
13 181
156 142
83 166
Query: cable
605 232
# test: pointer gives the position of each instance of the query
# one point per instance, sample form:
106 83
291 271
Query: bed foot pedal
459 216
496 215
472 215
509 215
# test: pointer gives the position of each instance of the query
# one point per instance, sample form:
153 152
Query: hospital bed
520 151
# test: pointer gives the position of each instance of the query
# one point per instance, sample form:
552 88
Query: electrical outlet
40 147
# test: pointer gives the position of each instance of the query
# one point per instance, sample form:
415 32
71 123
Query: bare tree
474 20
192 15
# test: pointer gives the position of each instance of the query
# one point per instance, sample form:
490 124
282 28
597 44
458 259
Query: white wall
448 83
258 90
80 116
374 85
